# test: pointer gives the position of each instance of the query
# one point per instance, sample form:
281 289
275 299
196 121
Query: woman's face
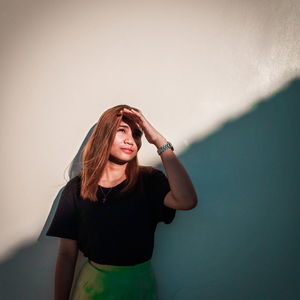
127 142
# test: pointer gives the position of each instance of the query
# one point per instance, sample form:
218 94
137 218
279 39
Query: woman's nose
129 140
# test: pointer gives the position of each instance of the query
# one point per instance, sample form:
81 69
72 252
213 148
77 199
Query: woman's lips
126 150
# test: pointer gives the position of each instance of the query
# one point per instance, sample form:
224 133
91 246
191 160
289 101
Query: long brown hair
97 150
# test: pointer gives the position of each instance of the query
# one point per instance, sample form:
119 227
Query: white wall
188 65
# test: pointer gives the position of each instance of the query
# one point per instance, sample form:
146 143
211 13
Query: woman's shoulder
73 184
145 170
74 181
150 172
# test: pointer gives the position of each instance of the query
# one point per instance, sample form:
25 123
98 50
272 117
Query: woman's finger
133 111
134 115
135 118
138 114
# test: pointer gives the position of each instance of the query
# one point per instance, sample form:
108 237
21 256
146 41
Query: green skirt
136 282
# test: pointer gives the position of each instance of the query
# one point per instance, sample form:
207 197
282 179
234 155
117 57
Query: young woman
110 211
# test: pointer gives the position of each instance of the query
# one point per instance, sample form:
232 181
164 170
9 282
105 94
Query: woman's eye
122 130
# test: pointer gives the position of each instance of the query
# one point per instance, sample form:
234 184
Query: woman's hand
151 134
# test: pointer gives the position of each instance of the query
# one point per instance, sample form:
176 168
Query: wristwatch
165 147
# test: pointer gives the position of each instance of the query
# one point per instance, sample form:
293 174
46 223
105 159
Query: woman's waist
139 266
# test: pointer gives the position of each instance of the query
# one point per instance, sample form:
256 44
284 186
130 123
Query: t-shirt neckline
113 187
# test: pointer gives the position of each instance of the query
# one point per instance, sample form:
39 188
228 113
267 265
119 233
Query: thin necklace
105 196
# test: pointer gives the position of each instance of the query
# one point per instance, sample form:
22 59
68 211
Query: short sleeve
65 220
160 188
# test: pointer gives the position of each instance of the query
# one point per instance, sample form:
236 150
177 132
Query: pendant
104 199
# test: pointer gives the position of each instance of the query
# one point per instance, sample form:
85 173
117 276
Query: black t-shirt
121 230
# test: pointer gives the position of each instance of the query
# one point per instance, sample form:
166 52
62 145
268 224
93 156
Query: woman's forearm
180 183
64 274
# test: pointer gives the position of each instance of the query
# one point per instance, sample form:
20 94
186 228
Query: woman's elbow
193 204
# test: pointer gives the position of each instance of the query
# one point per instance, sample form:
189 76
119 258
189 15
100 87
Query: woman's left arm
182 195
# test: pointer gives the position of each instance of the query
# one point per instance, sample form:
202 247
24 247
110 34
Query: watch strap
165 147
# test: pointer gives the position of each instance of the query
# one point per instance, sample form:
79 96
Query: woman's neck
112 174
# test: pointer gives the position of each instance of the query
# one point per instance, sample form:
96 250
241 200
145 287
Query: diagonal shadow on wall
242 239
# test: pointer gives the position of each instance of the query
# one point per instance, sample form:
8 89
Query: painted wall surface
190 66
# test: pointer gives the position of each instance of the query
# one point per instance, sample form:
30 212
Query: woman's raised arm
182 195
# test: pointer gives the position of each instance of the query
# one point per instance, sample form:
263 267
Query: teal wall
242 241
